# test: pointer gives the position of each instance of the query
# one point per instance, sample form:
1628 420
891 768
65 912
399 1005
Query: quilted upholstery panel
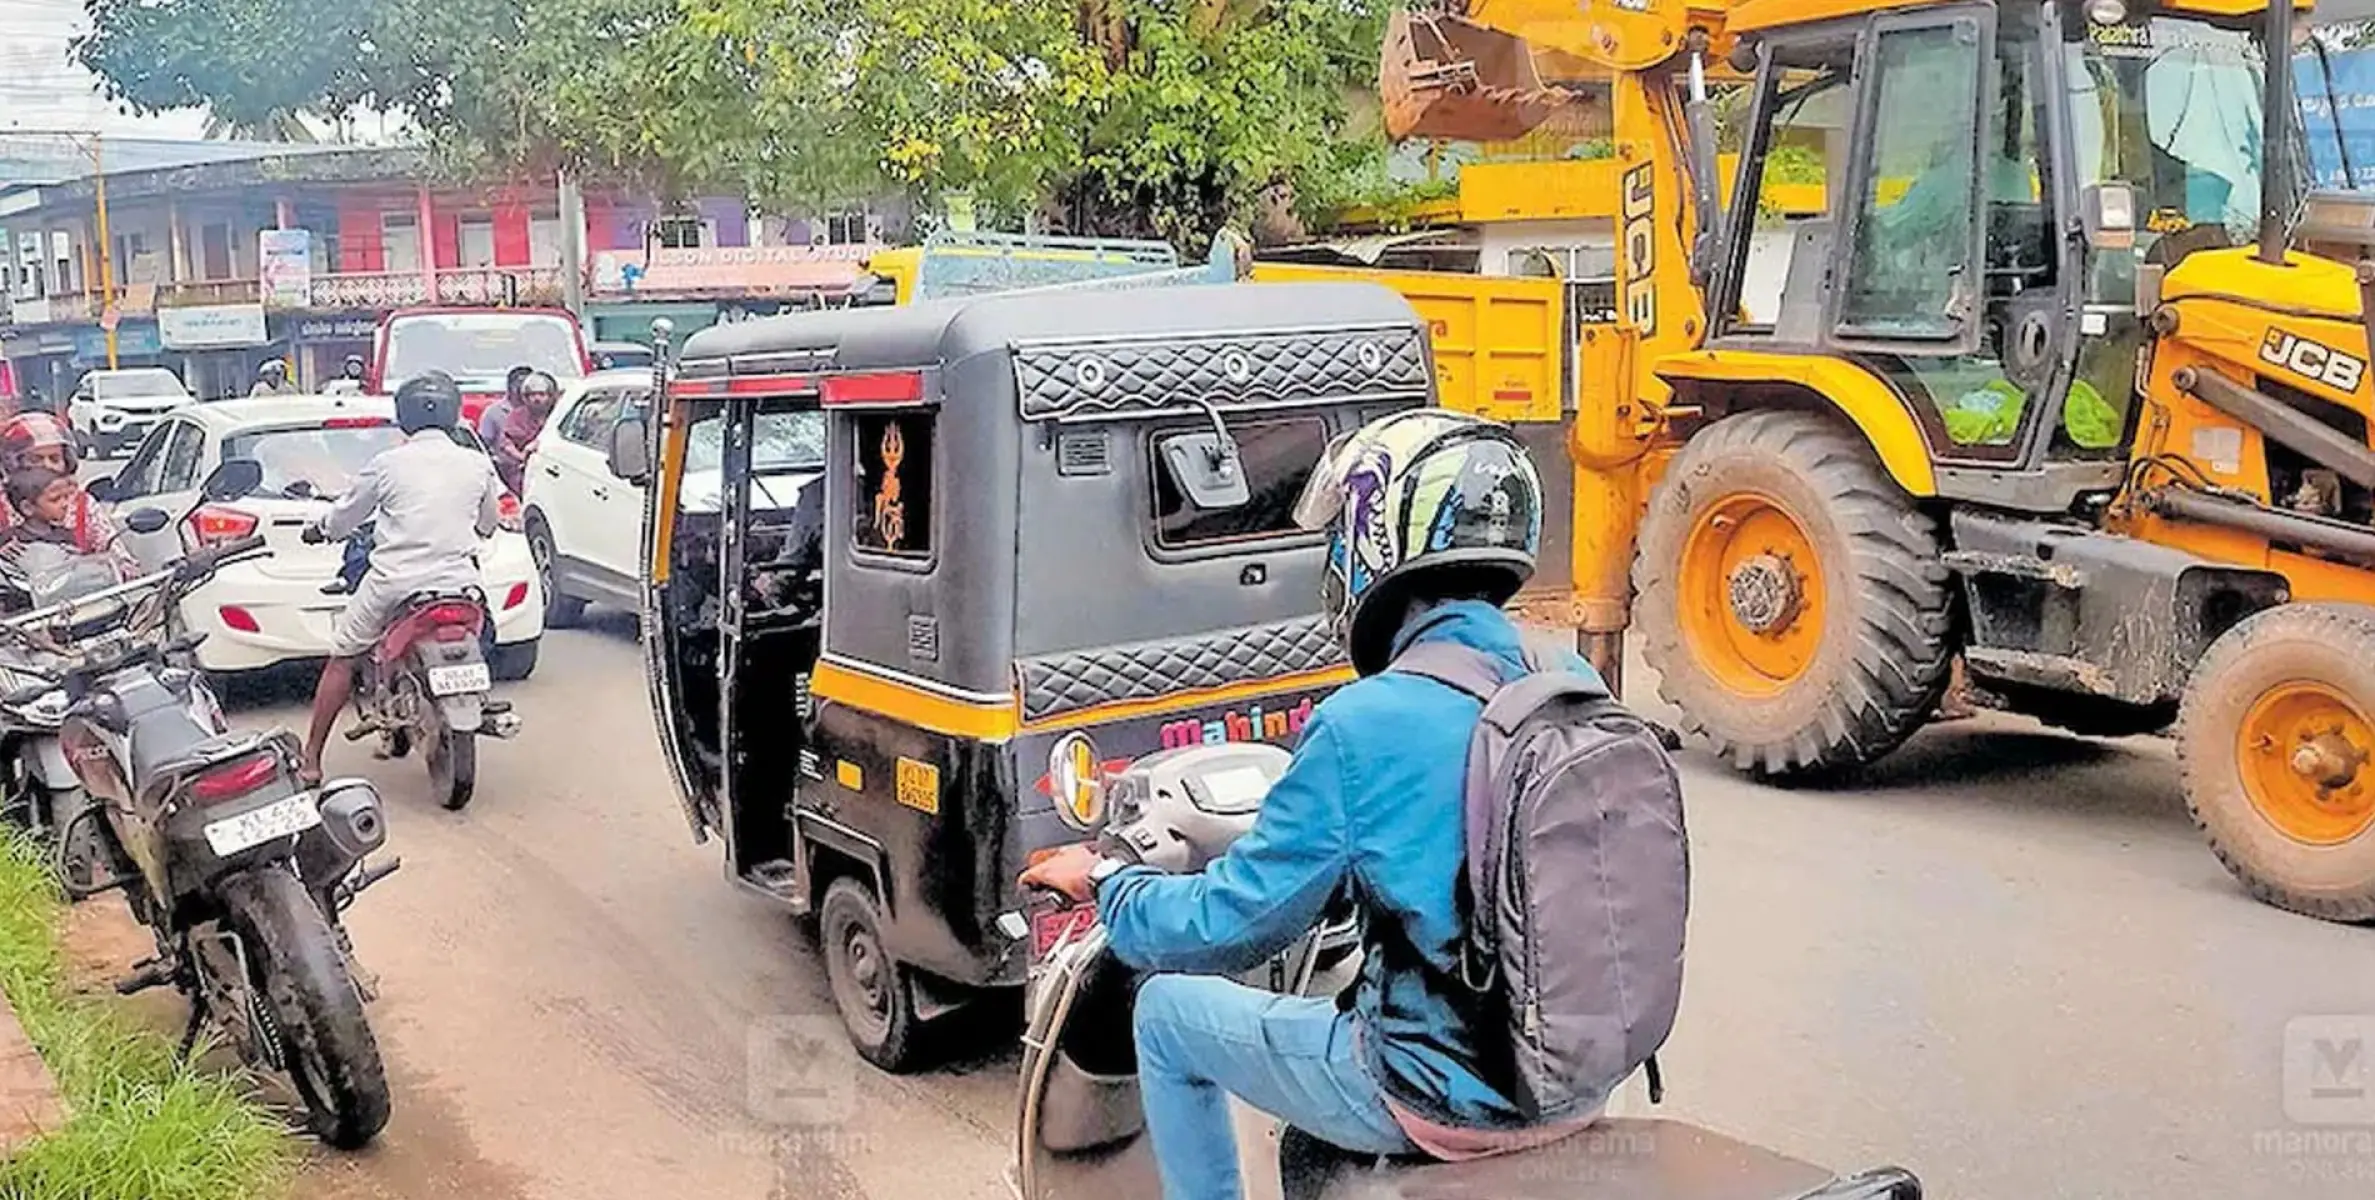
1249 370
1060 683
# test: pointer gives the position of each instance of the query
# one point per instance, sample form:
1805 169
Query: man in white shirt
430 500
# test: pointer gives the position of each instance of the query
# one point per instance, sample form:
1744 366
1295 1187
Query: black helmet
353 366
428 401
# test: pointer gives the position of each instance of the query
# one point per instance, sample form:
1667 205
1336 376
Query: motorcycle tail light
216 524
236 777
454 620
518 595
1051 925
507 512
235 617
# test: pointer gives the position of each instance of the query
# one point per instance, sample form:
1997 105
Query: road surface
2005 961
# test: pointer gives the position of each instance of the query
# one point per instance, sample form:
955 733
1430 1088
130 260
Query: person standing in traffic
1434 522
429 501
515 439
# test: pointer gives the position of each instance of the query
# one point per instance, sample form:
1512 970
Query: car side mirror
147 520
101 489
236 477
630 453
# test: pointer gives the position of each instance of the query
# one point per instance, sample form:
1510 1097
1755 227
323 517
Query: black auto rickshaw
918 577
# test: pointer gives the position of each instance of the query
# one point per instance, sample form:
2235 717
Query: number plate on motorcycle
453 681
256 826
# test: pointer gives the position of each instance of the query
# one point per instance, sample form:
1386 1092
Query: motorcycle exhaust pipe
353 826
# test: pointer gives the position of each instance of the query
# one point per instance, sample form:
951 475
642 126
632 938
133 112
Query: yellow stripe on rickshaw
983 719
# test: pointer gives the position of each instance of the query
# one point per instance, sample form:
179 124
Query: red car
478 347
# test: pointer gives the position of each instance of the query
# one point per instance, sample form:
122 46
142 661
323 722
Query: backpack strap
1454 666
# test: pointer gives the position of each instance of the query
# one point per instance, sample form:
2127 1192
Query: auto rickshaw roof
947 331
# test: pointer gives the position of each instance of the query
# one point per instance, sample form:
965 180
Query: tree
1105 116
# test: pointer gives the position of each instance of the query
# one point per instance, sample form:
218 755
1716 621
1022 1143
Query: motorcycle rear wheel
297 968
453 767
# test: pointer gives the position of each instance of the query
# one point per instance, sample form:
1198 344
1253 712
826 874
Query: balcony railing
463 285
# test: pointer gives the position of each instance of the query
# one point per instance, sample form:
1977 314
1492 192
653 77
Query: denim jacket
1374 799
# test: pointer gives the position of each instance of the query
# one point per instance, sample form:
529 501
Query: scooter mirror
147 520
236 477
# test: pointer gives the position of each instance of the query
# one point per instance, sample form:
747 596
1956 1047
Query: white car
112 410
272 609
585 525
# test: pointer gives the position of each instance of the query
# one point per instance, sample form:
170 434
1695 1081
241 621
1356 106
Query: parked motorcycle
425 683
1081 1133
238 870
38 790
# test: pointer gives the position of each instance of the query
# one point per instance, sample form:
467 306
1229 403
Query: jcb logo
1641 249
2303 357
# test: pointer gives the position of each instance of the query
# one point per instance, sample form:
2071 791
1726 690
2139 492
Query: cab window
1911 262
894 497
1278 457
139 476
589 423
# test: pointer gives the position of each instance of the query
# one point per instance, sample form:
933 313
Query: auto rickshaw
919 578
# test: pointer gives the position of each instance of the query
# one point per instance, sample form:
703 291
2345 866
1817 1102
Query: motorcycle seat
1614 1159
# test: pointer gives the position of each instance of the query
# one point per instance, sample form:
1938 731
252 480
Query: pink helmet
27 432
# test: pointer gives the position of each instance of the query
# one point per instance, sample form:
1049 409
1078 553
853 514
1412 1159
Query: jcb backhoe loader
2045 386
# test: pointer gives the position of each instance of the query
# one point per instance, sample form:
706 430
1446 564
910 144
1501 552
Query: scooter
237 869
425 685
1080 1133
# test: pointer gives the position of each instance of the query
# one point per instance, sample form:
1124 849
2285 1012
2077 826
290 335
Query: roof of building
180 167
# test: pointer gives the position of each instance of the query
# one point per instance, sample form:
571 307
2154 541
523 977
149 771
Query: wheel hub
1764 592
2306 749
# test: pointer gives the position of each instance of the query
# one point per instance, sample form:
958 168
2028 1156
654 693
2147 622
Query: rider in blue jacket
1434 521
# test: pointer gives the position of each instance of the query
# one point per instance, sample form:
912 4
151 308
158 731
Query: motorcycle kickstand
189 1033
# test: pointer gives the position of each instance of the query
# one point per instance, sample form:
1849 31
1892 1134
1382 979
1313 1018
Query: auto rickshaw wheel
2276 740
870 988
1791 596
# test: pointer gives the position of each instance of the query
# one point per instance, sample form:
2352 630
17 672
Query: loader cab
1973 204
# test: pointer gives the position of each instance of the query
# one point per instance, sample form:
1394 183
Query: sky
40 88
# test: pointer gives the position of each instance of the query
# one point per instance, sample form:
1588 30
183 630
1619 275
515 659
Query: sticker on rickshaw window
919 785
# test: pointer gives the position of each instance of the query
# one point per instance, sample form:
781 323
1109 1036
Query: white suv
112 410
585 525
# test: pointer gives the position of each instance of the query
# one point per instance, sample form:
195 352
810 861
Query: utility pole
108 316
573 248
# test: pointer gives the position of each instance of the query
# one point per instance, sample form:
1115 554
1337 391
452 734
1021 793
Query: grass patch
143 1126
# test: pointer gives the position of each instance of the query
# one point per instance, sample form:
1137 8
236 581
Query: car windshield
478 349
2170 106
784 441
316 460
125 385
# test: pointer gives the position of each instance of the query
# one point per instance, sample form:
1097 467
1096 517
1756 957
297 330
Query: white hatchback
272 609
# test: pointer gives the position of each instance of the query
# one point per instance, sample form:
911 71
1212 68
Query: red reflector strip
518 595
697 387
354 422
900 387
235 777
1519 394
768 385
1049 926
235 617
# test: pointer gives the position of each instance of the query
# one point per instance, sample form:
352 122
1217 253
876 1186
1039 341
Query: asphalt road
2006 962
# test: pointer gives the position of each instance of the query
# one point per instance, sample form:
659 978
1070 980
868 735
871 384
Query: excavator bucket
1442 77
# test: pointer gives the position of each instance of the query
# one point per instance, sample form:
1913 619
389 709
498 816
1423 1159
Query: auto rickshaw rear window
1278 457
894 510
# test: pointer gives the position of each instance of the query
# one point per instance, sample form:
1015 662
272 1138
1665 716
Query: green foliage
1108 116
143 1126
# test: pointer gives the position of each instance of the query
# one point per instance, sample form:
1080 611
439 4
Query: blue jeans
1202 1039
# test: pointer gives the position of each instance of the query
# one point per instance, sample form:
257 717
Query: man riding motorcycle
430 502
272 379
1434 522
350 378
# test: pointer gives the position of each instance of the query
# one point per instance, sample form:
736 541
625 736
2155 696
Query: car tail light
217 524
507 512
518 595
236 777
235 617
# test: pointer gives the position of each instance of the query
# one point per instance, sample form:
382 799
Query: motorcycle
1080 1132
425 683
38 789
239 871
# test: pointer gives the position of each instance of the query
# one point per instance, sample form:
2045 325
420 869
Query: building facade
211 268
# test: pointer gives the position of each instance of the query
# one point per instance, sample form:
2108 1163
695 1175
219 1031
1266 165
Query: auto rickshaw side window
1278 457
894 498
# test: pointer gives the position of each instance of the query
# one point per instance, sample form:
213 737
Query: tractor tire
2276 744
1791 597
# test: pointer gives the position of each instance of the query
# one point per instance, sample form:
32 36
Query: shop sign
212 326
